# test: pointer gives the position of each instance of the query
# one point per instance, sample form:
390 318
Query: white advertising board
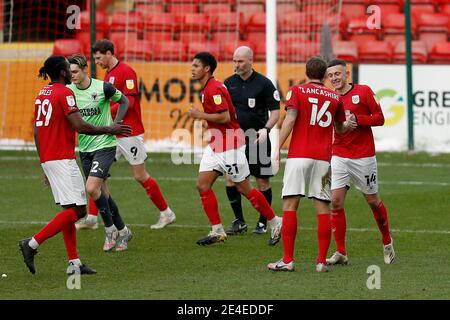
431 96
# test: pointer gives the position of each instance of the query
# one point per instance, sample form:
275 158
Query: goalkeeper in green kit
97 153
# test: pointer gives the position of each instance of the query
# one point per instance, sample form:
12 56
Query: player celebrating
354 160
57 116
225 152
253 96
311 110
123 77
97 153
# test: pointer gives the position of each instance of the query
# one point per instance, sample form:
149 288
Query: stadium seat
298 51
195 22
120 40
198 36
152 21
85 39
421 6
179 10
228 49
440 54
284 8
256 37
198 46
227 21
156 36
346 50
375 52
101 21
295 22
293 37
126 21
67 47
357 29
225 37
260 52
136 49
419 52
248 9
445 8
170 51
433 28
388 6
353 9
211 8
257 23
149 7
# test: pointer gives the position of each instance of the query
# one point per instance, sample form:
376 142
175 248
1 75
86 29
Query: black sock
235 201
116 218
103 209
268 195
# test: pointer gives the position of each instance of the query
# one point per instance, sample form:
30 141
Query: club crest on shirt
276 95
111 80
355 99
94 96
70 101
130 84
217 99
251 102
288 95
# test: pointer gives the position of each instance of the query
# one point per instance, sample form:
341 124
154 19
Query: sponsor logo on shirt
130 84
217 99
70 101
251 102
111 80
355 99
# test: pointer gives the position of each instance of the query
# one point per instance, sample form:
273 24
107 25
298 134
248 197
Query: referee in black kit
253 97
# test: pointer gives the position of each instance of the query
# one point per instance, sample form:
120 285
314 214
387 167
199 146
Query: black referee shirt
252 99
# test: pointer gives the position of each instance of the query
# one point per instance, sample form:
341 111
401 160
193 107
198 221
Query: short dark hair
207 59
52 67
103 46
79 60
316 68
337 62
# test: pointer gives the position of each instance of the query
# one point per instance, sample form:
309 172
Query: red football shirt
317 108
359 143
55 135
123 77
224 136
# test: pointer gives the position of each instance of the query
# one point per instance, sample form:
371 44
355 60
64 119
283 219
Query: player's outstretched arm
122 110
81 126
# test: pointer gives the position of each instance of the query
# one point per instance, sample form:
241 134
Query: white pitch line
193 179
140 225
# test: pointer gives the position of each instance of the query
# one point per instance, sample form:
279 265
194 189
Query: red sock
381 218
70 240
154 193
339 226
288 234
60 222
211 206
323 235
93 211
260 203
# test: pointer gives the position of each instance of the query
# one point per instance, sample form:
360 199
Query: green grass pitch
167 264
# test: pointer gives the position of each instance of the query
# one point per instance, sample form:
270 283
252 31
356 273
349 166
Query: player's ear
207 69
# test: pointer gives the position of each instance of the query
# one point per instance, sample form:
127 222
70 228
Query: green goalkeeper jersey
93 103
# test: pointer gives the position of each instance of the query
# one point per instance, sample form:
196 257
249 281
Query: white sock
75 262
91 218
110 229
124 231
217 228
33 243
167 212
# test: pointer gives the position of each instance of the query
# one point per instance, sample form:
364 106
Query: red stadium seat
259 55
169 51
228 49
295 22
120 40
395 23
85 39
126 21
388 6
393 39
419 52
195 22
179 10
211 8
137 50
198 46
433 22
156 36
257 22
149 7
375 52
431 38
440 54
346 50
298 51
248 9
101 21
256 37
353 9
187 37
158 22
357 27
225 37
67 47
293 37
226 21
445 8
284 8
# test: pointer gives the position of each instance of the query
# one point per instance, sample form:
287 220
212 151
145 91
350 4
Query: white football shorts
132 148
232 162
66 181
304 173
361 172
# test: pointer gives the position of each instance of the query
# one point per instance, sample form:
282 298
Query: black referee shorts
258 157
97 163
